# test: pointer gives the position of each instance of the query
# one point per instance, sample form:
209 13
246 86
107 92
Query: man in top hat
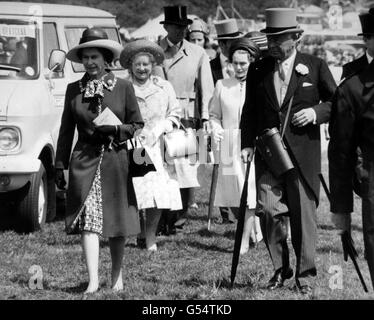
352 127
287 79
367 33
186 66
227 31
356 66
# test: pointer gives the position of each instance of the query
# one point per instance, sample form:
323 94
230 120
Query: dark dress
119 216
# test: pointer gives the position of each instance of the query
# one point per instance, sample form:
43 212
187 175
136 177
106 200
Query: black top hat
176 15
367 23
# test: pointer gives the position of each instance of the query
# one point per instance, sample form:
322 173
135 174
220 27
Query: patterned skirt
90 217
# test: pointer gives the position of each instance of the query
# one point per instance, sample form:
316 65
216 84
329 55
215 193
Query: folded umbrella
240 226
347 241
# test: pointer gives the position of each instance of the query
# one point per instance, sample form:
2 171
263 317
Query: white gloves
168 126
247 154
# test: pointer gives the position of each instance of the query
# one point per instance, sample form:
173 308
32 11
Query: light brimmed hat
227 29
176 15
198 25
281 21
94 38
367 23
139 46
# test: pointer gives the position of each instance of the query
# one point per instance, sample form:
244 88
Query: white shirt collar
369 57
286 64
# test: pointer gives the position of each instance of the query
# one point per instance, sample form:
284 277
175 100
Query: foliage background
132 13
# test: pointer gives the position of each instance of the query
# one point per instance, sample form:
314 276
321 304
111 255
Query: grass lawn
194 264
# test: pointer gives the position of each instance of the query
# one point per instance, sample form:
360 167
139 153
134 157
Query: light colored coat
225 112
190 74
158 105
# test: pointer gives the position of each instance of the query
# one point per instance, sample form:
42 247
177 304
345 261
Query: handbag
181 142
273 150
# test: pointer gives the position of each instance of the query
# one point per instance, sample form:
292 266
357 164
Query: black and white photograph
187 156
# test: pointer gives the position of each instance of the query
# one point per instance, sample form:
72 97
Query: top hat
280 21
198 25
138 46
227 29
367 23
94 38
176 15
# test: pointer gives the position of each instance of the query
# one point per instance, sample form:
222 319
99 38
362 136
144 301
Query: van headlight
10 139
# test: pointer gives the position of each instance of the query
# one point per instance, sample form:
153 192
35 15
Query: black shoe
180 223
140 243
305 289
278 278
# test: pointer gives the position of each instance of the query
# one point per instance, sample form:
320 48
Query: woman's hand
168 126
218 134
147 137
106 130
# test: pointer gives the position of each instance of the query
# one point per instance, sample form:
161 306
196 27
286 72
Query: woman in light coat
225 112
161 112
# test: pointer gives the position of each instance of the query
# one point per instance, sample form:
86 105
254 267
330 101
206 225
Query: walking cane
347 241
213 187
240 225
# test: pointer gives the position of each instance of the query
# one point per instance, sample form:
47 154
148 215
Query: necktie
282 74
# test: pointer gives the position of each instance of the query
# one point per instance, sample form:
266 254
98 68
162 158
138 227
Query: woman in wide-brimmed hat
224 111
161 112
99 201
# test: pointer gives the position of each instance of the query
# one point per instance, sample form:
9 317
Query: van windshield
18 50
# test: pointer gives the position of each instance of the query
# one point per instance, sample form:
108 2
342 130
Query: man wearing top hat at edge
355 67
186 66
302 82
227 31
352 127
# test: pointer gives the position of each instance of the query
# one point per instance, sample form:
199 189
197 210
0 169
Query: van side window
50 42
73 35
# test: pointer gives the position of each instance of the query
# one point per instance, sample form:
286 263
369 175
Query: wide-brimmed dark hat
244 44
280 21
176 15
227 29
138 46
367 23
94 38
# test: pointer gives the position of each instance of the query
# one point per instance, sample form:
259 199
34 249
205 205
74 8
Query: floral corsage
302 69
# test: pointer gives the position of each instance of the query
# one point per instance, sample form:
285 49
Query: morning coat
261 110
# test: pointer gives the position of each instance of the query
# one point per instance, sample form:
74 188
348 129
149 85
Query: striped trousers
288 196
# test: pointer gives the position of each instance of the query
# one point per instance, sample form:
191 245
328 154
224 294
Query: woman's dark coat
119 214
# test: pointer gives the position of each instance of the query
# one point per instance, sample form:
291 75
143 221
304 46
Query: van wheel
33 203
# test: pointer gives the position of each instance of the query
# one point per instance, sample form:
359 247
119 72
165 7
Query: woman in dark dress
100 198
